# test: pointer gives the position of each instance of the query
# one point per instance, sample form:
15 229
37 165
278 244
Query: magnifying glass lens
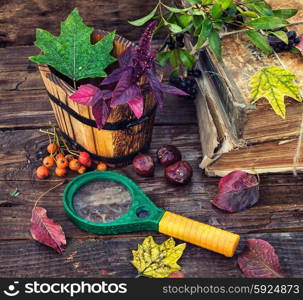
102 201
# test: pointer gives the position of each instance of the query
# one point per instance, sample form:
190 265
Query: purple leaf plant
124 85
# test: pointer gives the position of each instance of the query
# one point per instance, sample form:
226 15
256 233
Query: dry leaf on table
237 191
259 260
46 231
155 260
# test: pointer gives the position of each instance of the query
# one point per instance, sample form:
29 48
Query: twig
296 22
67 148
46 131
49 190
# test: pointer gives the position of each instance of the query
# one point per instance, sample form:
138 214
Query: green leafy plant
205 21
72 53
274 83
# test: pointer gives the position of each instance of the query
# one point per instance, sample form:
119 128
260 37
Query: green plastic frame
129 222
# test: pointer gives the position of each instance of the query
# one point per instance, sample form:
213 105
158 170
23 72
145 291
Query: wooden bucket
122 137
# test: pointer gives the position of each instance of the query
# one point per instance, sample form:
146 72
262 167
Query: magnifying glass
110 203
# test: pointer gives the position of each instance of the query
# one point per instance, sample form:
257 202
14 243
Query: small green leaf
274 83
250 14
205 31
267 23
198 12
225 4
195 1
295 50
281 35
261 8
285 13
176 10
259 40
163 57
15 193
184 20
219 7
216 11
142 21
187 59
174 73
215 44
174 58
174 27
197 21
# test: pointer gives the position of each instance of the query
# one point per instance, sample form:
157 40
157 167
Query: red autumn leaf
259 260
101 112
137 106
85 94
237 191
300 45
46 231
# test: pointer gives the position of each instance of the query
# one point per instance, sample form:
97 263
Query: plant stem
49 190
46 131
67 148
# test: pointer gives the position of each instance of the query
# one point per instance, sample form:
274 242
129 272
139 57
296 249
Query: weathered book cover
235 134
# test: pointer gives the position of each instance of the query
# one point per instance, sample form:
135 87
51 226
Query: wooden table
24 109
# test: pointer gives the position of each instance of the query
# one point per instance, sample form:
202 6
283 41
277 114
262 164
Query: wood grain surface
24 108
20 18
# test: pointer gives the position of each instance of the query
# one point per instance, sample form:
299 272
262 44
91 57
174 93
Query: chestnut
168 154
143 165
179 172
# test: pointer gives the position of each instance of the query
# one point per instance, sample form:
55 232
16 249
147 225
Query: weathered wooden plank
260 218
15 59
279 208
111 256
19 19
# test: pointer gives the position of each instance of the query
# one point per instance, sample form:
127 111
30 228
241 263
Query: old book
235 134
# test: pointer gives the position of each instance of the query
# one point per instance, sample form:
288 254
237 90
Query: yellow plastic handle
199 234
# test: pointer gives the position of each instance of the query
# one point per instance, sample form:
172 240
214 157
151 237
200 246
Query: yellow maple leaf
274 83
155 260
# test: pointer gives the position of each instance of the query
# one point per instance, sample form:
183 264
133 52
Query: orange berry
49 161
60 172
69 157
62 163
59 155
101 166
74 165
82 170
52 148
42 172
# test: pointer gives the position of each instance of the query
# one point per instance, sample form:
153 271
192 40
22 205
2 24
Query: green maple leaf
155 260
274 83
71 53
